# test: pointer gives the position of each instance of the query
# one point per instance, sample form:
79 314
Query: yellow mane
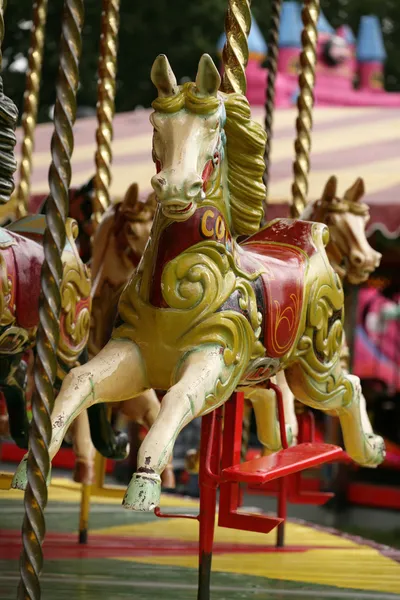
245 144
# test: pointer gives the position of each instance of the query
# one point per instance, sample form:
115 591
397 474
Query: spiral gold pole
33 529
31 97
8 122
305 103
270 94
105 106
235 54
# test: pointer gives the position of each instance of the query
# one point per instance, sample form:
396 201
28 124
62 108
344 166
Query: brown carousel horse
117 248
204 315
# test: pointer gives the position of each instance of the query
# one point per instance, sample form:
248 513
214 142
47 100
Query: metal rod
31 99
8 122
105 106
33 529
305 104
235 54
272 65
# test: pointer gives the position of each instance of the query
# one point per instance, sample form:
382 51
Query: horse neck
169 238
319 212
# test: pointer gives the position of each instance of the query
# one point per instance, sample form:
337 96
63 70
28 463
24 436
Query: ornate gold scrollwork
75 300
6 316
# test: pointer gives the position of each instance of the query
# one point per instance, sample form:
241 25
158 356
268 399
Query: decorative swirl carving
75 301
305 104
235 54
38 465
196 279
272 66
6 316
319 347
31 97
105 106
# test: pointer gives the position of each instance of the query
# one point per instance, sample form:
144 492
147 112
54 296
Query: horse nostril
193 187
357 259
158 183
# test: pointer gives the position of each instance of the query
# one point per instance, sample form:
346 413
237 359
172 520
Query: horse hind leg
338 392
265 408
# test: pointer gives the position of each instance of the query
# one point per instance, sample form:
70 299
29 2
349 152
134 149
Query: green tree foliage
181 29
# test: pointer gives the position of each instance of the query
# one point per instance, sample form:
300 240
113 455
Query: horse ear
131 197
208 78
163 77
329 192
356 191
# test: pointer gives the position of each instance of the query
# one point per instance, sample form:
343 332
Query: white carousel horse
204 315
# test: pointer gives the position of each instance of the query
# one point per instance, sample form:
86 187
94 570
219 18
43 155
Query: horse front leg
200 372
144 409
115 374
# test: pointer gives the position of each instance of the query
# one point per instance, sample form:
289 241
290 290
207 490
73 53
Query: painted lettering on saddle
24 260
207 223
282 248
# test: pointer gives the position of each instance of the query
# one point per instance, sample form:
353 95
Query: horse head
201 139
347 218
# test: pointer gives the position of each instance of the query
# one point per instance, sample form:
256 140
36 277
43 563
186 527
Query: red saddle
282 249
24 260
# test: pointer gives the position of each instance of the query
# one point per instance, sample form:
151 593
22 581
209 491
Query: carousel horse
352 258
204 315
117 248
21 258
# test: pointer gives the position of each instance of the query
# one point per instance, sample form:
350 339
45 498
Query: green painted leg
20 479
143 492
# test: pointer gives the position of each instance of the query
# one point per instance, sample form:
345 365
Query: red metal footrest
288 461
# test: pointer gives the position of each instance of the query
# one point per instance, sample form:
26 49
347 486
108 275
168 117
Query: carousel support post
8 122
235 54
305 104
272 65
38 466
31 99
105 106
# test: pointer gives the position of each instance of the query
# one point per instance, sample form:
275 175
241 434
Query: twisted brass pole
8 122
31 97
305 103
271 79
105 106
33 529
235 54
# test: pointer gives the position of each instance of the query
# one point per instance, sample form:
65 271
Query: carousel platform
136 555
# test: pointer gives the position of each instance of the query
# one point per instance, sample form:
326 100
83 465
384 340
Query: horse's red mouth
177 209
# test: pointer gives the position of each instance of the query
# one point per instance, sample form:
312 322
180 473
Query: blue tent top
256 40
323 25
370 40
291 25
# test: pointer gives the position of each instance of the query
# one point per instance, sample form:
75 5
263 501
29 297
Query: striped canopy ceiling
347 142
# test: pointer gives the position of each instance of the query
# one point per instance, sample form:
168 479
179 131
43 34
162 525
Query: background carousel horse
117 248
350 255
21 258
204 315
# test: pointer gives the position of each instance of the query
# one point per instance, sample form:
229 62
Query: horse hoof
83 472
143 492
20 479
122 446
376 451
